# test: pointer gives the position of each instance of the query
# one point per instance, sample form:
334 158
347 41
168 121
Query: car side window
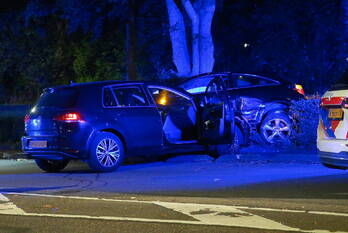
129 96
163 97
108 98
240 81
244 81
266 82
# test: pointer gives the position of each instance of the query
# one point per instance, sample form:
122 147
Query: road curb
14 155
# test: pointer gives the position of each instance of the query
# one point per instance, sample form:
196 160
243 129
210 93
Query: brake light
299 89
26 118
69 117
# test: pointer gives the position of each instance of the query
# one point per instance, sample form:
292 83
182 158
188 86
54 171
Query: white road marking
206 214
8 207
157 202
3 198
225 215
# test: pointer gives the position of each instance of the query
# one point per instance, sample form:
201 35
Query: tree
200 14
345 14
91 18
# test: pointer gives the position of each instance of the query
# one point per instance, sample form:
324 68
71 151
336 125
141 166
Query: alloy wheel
276 130
108 152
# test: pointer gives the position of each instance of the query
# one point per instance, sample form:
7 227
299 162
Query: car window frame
211 76
275 82
139 86
188 97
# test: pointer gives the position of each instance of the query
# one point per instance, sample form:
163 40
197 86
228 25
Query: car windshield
342 82
58 98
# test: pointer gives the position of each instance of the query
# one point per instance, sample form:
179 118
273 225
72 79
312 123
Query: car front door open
216 114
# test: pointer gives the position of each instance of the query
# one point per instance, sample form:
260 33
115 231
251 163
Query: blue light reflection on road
166 177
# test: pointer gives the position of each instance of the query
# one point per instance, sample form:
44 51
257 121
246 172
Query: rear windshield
342 82
58 98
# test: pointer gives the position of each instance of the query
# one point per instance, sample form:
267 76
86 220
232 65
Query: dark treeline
45 43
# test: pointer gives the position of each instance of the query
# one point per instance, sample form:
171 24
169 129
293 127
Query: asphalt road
183 194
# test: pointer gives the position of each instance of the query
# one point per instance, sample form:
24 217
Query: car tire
106 152
276 127
51 165
334 166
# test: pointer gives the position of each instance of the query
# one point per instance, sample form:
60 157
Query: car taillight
299 89
26 118
69 117
332 101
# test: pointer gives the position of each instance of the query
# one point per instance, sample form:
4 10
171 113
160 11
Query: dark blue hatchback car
102 122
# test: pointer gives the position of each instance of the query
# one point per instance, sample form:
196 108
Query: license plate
336 113
38 144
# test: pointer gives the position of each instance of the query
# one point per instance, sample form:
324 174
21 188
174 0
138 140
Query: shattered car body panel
256 98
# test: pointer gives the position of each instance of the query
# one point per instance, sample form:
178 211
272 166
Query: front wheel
276 128
106 152
51 165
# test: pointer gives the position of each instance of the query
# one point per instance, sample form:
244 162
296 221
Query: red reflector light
26 118
332 101
69 117
299 89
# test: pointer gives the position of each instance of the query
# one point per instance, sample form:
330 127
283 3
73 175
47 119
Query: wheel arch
108 130
118 134
273 107
276 106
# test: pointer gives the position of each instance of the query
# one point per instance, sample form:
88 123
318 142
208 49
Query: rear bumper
336 159
57 148
333 152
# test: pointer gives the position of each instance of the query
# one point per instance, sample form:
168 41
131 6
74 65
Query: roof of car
182 80
120 82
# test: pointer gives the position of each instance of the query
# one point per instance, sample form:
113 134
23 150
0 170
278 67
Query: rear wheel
51 165
106 152
276 128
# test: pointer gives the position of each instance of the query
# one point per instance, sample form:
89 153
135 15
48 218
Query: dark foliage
45 43
301 41
12 129
306 115
12 125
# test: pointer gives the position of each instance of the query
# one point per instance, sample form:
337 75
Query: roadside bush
11 125
11 130
306 115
